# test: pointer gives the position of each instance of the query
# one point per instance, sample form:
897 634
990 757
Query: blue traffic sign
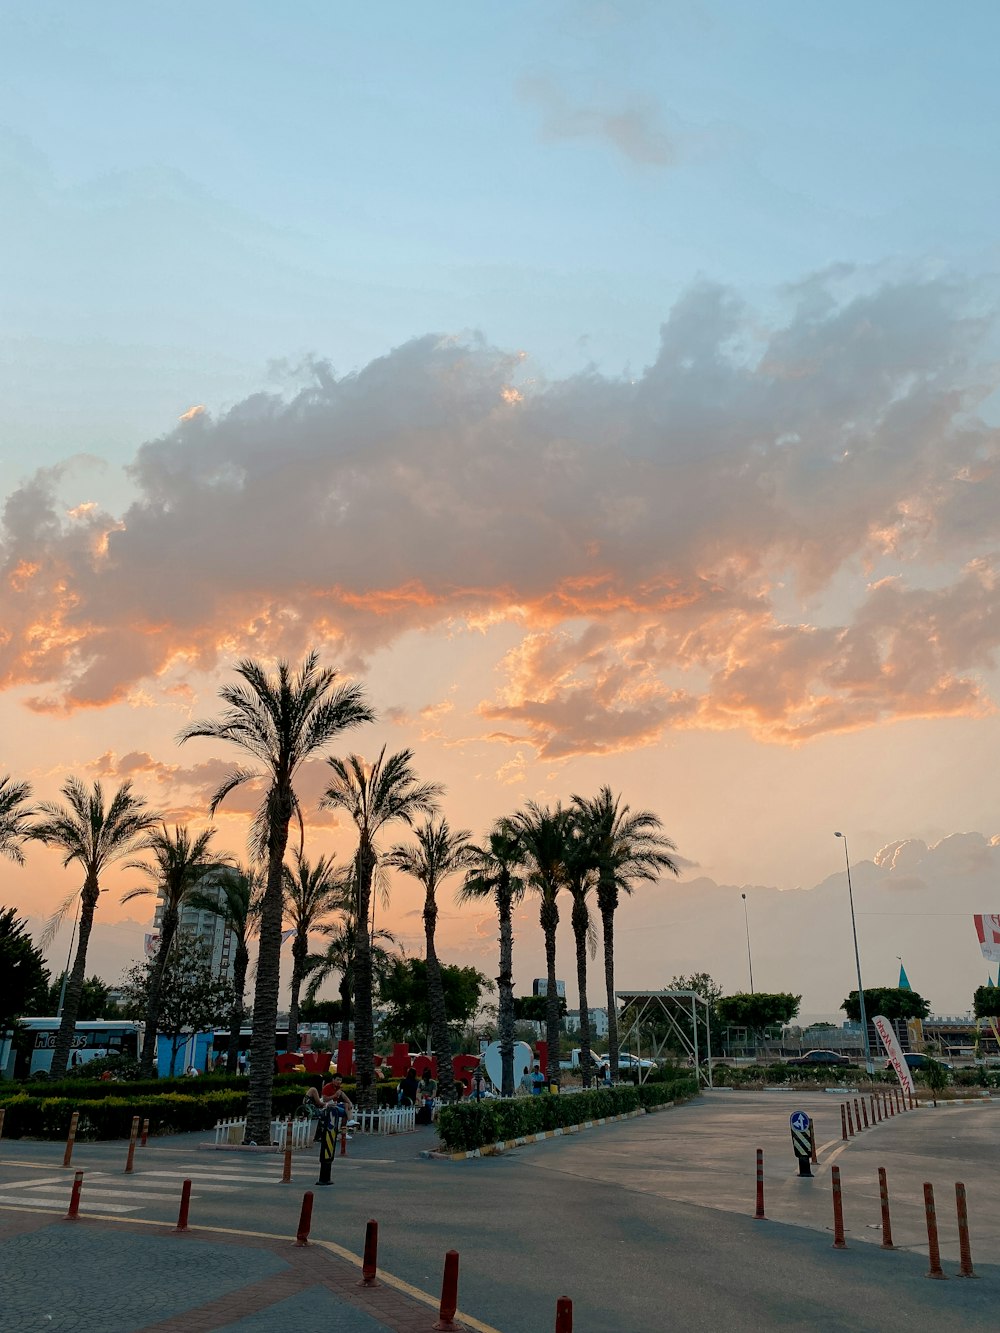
799 1120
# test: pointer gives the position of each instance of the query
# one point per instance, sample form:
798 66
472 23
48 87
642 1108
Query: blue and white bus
20 1058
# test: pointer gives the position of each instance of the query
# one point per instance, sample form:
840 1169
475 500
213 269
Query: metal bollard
883 1193
759 1213
369 1266
74 1198
449 1294
935 1269
131 1145
305 1219
965 1268
564 1315
838 1211
182 1216
74 1120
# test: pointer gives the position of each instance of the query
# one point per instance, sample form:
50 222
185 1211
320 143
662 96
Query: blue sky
194 191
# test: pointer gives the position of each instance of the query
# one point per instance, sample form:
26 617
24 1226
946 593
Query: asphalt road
646 1224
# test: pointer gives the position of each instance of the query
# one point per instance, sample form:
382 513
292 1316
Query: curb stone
495 1149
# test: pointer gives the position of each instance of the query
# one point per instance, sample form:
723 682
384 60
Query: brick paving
96 1276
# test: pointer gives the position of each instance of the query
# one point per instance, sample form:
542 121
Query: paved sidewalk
100 1276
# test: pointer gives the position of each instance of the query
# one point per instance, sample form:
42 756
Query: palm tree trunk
74 987
265 1004
436 1005
300 949
364 1023
549 916
580 922
345 1005
505 995
240 968
168 929
608 920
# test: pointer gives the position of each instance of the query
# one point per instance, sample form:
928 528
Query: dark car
915 1060
819 1058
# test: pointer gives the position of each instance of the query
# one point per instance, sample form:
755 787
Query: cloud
633 130
774 527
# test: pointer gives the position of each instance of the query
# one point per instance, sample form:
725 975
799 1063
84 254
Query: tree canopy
985 1001
403 993
22 969
890 1001
758 1011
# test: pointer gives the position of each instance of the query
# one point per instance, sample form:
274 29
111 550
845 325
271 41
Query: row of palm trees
279 721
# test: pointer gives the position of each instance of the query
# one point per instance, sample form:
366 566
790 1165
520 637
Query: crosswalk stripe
30 1184
193 1173
62 1204
101 1192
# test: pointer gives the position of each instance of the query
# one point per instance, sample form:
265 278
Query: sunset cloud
787 524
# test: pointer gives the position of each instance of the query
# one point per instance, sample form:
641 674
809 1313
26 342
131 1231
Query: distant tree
934 1075
822 1027
322 1011
95 1000
191 998
985 1001
312 891
404 997
710 991
759 1011
534 1008
234 895
22 969
94 835
889 1001
15 816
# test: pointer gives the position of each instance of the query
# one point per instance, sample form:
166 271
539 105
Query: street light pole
857 960
746 917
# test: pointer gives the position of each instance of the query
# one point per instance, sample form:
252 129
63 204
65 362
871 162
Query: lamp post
857 960
746 917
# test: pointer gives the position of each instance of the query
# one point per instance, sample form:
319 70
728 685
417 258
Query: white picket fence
387 1120
233 1132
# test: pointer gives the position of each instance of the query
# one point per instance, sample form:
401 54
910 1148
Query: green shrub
468 1125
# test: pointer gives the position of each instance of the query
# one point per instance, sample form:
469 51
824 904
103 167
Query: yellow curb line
495 1149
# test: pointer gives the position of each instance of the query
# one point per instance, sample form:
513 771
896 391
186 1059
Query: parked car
916 1060
820 1058
626 1061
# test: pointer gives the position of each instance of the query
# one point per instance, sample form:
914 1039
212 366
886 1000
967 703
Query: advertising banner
894 1051
988 930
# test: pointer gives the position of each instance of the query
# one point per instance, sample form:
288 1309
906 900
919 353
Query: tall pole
746 917
857 960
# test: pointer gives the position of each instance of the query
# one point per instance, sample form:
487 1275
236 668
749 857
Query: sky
611 387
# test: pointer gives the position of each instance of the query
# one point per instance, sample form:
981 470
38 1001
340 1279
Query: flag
287 934
988 930
894 1051
151 944
904 980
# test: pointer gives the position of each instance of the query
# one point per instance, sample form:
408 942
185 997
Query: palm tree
493 874
234 895
180 864
14 816
311 893
373 796
581 864
339 956
95 835
438 853
543 834
281 721
627 847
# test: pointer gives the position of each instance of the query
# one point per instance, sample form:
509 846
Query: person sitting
408 1085
427 1087
333 1096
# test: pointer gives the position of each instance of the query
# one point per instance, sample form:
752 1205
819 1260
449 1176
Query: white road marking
98 1191
60 1205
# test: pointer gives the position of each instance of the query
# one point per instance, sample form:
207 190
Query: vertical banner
988 930
894 1051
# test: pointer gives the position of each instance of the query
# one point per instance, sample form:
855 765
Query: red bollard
913 1101
131 1145
843 1122
449 1294
875 1115
964 1248
892 1107
812 1143
3 1112
883 1192
864 1112
71 1138
850 1122
857 1115
145 1134
369 1266
935 1269
182 1216
343 1143
838 1211
564 1315
899 1103
305 1219
74 1198
759 1213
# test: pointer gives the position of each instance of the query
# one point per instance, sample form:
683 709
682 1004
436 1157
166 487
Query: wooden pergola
667 1008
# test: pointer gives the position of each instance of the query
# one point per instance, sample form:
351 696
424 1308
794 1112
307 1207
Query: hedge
756 1076
469 1125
